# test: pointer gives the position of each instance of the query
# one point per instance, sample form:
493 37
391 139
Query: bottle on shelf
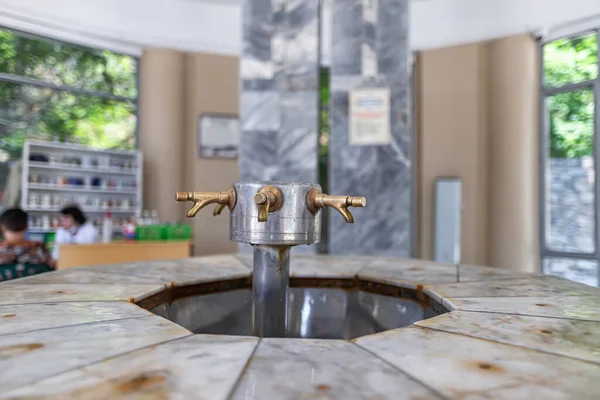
107 228
154 217
146 217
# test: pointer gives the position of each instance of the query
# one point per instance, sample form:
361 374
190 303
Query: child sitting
15 249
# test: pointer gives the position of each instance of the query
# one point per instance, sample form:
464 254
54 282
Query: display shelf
87 210
79 149
52 230
79 189
99 181
82 170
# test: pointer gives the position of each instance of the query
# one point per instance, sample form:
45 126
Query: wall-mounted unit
447 220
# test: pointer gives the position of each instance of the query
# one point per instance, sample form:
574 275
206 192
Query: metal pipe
270 288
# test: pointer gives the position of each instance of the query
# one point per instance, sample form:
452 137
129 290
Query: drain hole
313 312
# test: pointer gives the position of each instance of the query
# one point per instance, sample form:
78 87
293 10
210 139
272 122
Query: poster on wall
370 117
218 135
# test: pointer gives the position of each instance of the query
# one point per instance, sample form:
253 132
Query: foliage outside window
570 242
67 92
571 114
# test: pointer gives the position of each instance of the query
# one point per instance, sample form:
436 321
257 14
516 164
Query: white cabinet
98 181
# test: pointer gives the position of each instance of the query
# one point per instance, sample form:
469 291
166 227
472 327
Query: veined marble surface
196 367
586 308
72 275
30 317
370 49
512 337
26 358
514 287
180 272
23 293
468 273
322 369
409 273
320 266
571 338
462 367
279 99
325 267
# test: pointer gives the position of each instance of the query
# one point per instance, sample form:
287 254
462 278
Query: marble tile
517 287
81 275
459 366
28 357
347 27
467 273
258 156
30 317
408 273
26 294
297 140
257 65
571 338
326 266
393 18
388 194
187 271
262 111
301 56
322 369
195 367
370 49
280 93
586 308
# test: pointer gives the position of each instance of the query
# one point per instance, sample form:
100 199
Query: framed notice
370 117
218 135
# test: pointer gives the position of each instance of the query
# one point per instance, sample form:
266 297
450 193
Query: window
50 89
570 133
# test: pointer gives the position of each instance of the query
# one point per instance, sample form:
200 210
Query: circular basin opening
320 311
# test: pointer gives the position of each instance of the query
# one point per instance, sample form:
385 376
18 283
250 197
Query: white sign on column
370 117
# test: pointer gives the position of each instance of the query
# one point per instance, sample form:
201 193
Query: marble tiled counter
78 334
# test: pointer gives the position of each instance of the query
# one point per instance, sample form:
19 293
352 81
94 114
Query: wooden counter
79 255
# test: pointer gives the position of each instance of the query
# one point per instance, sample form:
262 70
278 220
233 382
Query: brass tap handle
218 209
317 200
269 200
202 199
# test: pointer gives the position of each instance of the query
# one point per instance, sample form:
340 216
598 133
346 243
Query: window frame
546 253
23 80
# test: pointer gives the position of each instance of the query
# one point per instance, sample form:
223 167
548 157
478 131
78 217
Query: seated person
15 249
74 229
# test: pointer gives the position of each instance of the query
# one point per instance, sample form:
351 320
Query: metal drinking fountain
272 217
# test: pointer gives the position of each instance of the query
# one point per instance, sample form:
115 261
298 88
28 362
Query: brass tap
202 199
269 200
317 200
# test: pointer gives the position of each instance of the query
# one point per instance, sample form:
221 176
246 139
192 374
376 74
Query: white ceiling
214 25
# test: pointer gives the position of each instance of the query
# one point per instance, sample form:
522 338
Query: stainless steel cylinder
270 287
291 224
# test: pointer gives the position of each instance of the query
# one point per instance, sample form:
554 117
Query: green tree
27 111
571 114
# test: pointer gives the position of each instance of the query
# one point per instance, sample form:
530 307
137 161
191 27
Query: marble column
370 49
280 91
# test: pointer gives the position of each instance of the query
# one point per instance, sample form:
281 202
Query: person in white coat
74 229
